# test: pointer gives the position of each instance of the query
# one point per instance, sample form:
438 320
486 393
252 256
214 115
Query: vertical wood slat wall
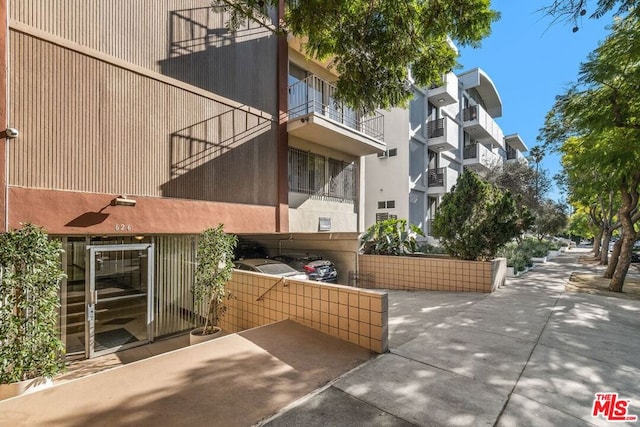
175 268
89 125
133 30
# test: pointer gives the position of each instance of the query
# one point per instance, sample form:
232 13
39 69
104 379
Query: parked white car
269 266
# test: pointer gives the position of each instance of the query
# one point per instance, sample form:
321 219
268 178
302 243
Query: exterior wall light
11 133
123 201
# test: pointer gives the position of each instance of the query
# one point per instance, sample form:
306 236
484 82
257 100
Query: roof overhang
479 80
516 142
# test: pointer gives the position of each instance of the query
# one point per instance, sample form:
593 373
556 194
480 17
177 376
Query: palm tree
536 154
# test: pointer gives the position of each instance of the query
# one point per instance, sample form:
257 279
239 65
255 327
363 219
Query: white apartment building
445 130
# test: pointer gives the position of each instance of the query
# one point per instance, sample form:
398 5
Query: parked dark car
269 266
249 249
314 266
635 257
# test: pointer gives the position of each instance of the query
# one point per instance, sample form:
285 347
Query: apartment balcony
442 134
437 181
515 156
481 126
315 115
515 148
447 93
479 158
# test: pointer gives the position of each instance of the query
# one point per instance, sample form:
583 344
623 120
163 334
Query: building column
4 89
282 209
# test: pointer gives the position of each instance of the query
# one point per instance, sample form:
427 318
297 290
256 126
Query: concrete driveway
527 355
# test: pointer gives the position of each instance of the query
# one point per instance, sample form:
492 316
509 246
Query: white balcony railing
479 155
316 96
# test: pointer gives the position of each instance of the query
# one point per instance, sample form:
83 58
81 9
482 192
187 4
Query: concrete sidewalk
526 355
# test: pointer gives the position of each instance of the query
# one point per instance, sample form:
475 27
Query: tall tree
536 154
372 45
603 112
550 219
524 182
589 186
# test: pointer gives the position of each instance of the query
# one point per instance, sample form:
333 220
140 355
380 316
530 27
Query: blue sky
531 60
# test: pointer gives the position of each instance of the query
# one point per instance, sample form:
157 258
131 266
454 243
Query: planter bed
431 273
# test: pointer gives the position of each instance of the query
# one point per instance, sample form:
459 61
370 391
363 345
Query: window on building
310 173
342 180
388 153
432 112
387 204
434 160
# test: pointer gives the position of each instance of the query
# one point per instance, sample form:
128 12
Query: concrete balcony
481 126
440 180
447 93
515 156
516 148
442 134
479 158
316 116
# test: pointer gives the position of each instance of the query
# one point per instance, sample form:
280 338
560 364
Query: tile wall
430 273
359 316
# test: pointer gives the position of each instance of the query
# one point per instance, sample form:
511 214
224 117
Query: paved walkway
235 380
526 355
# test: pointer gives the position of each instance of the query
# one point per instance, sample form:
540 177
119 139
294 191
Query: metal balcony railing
470 151
435 128
314 95
436 177
470 113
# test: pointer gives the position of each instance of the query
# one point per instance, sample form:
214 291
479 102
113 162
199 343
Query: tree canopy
573 10
596 125
376 47
525 183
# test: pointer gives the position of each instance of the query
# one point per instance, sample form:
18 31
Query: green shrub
213 271
535 248
426 248
390 237
30 276
521 261
475 219
516 255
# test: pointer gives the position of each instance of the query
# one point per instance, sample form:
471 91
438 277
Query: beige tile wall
430 273
359 316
